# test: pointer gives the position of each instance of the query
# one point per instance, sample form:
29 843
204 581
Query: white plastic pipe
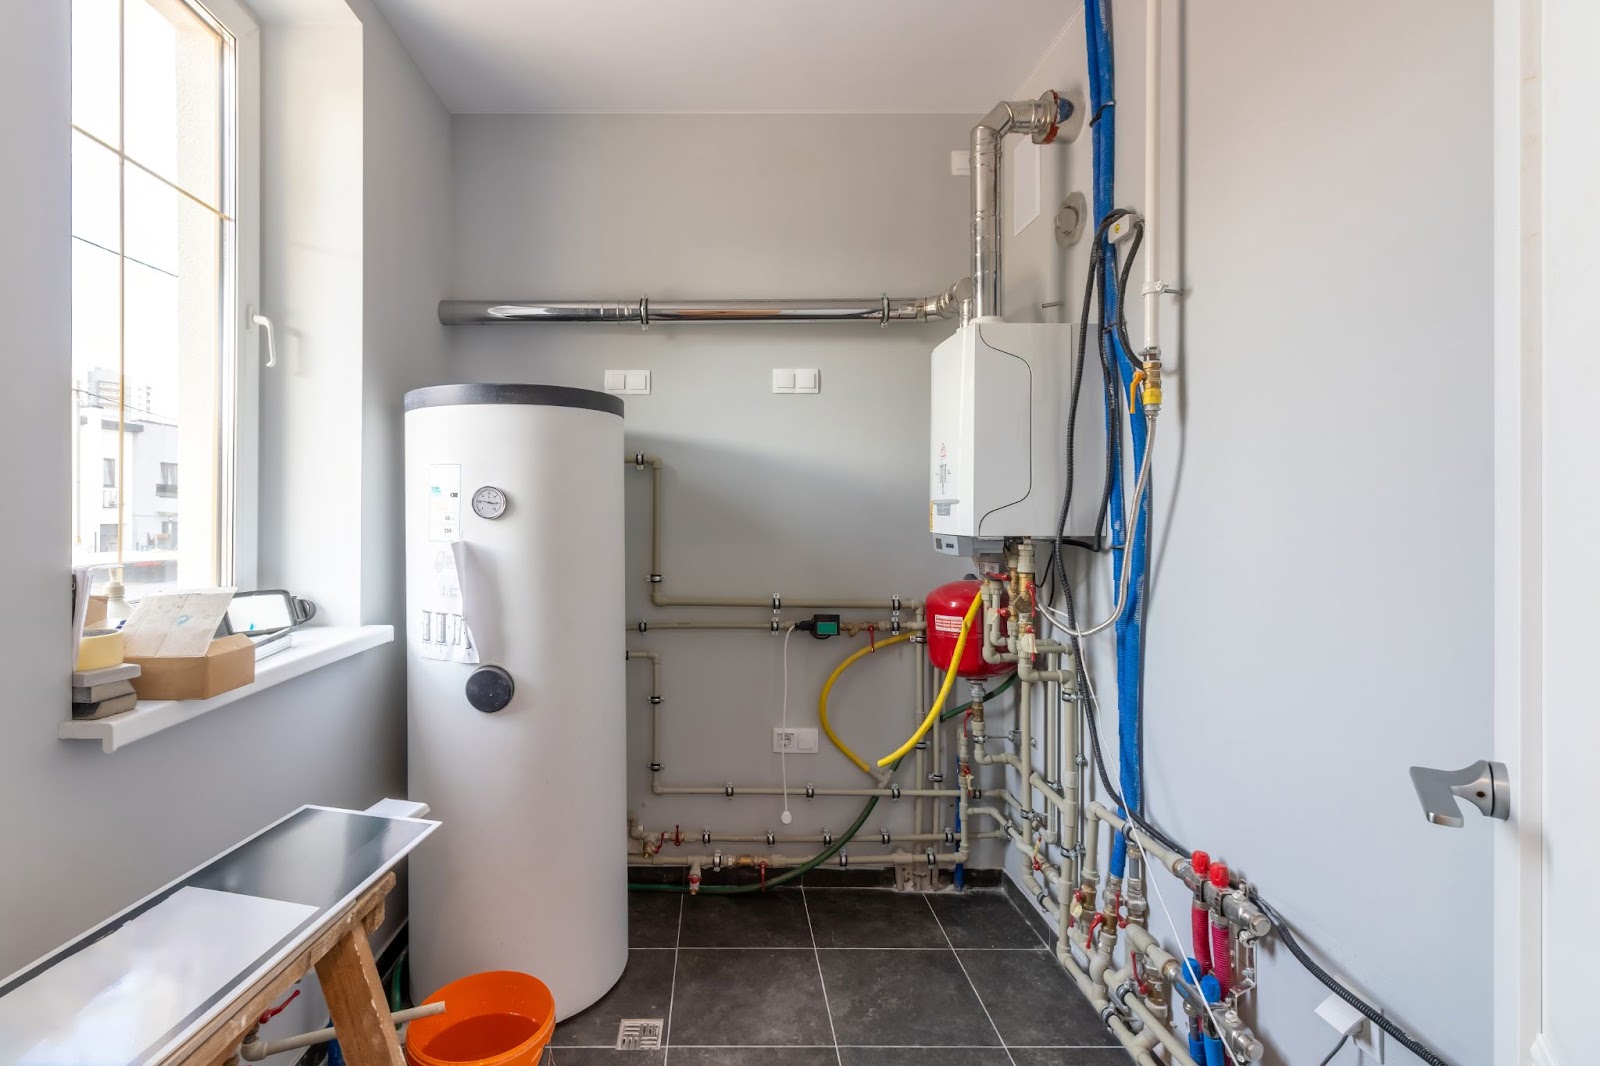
1152 176
256 1050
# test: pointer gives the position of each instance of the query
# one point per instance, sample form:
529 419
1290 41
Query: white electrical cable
783 752
1140 489
1155 884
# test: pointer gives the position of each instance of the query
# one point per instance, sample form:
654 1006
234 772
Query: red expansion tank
947 606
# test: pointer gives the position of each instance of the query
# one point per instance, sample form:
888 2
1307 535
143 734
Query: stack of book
101 693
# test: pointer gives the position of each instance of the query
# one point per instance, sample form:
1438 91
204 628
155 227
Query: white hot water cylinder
514 654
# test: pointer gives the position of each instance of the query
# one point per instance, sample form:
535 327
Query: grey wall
86 832
406 265
1321 616
820 494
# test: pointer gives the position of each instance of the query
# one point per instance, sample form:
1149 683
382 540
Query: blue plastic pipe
1211 991
1128 631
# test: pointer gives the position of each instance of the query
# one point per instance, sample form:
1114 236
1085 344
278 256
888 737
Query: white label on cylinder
947 623
444 502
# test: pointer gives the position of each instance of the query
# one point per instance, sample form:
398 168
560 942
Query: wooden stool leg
360 1012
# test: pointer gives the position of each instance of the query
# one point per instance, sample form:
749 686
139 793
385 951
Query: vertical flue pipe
1042 119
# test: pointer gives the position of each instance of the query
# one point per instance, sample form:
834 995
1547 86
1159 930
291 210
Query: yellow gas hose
822 700
944 690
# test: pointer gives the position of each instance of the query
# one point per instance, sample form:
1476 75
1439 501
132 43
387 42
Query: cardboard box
228 663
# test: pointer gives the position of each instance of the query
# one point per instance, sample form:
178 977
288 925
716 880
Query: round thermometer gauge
489 502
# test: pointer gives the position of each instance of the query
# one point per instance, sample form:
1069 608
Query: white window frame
239 424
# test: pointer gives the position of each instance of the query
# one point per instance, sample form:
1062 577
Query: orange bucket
498 1018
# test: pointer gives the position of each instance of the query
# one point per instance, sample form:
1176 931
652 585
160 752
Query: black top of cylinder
545 395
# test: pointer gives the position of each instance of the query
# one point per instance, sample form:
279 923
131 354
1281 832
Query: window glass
151 288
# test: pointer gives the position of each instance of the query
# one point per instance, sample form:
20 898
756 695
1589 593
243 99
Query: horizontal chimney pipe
647 312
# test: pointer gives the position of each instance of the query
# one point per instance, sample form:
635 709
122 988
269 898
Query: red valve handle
272 1012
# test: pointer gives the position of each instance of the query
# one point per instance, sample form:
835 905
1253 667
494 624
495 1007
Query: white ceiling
698 56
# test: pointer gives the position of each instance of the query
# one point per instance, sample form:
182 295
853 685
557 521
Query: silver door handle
1484 784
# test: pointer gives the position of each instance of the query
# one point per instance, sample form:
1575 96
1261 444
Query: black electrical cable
1095 272
1119 330
1281 927
1406 1040
1343 1040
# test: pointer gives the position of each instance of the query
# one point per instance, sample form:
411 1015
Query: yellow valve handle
822 700
944 690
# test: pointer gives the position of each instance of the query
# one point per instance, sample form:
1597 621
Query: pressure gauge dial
489 502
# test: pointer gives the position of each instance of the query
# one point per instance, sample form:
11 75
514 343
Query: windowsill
314 647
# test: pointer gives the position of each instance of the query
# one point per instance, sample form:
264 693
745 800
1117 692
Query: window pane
174 94
151 229
94 193
94 67
171 381
96 387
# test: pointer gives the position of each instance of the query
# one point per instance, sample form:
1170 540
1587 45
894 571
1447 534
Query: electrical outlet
1369 1041
1367 1038
794 741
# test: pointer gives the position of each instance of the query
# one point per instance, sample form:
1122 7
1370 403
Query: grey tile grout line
822 981
975 993
672 990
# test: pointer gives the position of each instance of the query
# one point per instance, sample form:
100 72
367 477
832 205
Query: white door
1547 512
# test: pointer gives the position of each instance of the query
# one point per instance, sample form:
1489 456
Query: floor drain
639 1034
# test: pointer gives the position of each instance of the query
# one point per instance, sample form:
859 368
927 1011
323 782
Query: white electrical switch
788 381
961 164
628 382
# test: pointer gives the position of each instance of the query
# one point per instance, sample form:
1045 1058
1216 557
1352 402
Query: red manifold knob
1201 862
1219 876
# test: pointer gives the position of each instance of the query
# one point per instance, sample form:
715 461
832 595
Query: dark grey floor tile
588 1056
750 1056
870 918
757 996
645 991
653 919
774 919
1068 1056
982 920
920 1056
903 998
1032 999
600 1057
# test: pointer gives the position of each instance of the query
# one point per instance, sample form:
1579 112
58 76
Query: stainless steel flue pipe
1045 120
647 312
1050 118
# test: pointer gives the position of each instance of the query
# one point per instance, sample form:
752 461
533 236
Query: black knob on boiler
490 688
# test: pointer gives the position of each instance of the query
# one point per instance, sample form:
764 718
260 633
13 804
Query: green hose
1010 680
394 979
832 849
